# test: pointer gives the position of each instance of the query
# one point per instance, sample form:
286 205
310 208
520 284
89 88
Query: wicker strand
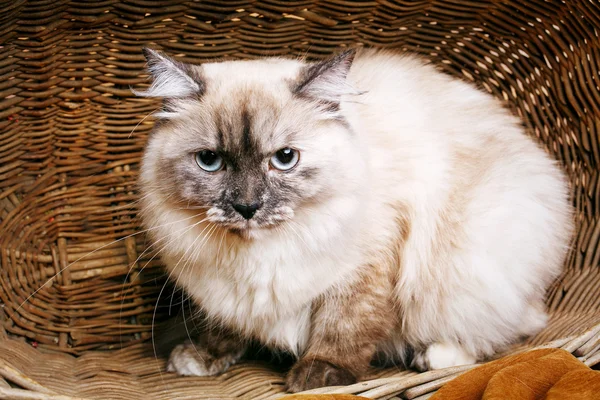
17 377
20 394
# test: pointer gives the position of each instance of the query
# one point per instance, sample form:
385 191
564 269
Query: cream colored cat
367 204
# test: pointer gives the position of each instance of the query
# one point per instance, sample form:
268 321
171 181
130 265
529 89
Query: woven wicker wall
71 133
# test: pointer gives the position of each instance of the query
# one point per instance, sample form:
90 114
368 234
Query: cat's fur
420 220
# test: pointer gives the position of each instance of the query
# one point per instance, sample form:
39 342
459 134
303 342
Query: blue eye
209 161
285 159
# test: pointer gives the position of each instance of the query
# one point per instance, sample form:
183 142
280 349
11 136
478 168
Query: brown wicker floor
133 373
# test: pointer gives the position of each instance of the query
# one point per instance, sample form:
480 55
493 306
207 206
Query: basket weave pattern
75 275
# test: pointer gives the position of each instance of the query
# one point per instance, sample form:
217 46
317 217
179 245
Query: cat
365 206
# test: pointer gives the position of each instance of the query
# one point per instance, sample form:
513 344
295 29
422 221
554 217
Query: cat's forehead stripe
246 131
220 130
244 124
235 133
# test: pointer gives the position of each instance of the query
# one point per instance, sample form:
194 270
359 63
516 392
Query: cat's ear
326 80
171 79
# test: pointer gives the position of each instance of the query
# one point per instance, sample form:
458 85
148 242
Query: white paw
444 355
186 359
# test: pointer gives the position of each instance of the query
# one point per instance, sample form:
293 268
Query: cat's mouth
249 228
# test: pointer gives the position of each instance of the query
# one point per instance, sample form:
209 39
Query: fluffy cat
363 205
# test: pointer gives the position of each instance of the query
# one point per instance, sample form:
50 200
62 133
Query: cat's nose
246 210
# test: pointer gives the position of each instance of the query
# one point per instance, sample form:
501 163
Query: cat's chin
252 231
248 233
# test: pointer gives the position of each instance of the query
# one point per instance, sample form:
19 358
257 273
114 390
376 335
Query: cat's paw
187 359
441 355
310 374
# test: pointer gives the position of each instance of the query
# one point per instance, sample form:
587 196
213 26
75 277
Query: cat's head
250 143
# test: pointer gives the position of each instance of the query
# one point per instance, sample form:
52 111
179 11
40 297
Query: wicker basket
76 280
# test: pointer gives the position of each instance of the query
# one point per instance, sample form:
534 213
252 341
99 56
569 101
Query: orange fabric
544 374
539 374
531 380
471 385
576 385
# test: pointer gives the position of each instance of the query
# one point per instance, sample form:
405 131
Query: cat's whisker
158 251
187 331
188 296
185 229
209 234
181 270
154 318
143 119
89 254
174 268
192 208
218 258
193 258
160 294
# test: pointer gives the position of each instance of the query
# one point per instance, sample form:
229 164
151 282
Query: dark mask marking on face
220 134
308 173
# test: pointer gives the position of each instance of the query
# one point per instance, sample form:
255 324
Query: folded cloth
576 385
550 374
538 374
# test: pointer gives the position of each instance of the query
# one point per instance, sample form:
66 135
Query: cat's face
250 144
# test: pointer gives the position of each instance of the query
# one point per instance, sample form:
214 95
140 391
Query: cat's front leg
213 352
347 325
441 355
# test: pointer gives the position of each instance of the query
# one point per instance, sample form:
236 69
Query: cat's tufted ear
326 80
171 79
